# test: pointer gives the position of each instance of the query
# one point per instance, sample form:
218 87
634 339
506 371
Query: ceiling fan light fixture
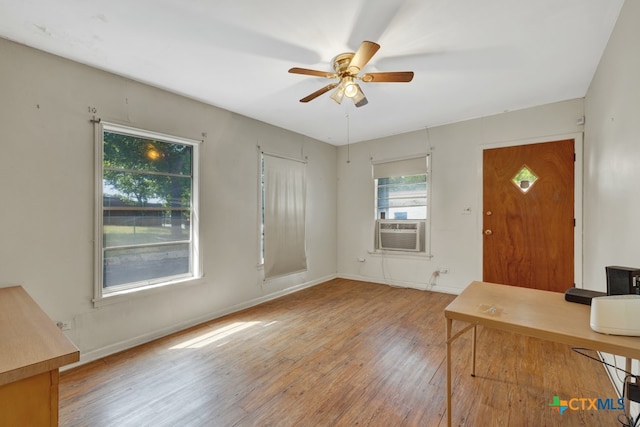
338 94
350 88
359 99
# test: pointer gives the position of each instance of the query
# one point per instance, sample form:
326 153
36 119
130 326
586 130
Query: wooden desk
32 349
532 312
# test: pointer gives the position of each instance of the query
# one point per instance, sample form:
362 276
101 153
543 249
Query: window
283 196
401 189
401 203
402 197
148 231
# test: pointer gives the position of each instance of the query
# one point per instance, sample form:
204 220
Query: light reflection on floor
216 335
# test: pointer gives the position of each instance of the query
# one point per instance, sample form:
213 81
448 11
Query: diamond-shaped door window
524 179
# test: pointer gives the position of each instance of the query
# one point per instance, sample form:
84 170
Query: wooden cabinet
32 349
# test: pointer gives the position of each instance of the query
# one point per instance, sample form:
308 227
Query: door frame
577 191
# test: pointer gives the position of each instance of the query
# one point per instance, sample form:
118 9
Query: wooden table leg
473 352
627 402
449 325
450 339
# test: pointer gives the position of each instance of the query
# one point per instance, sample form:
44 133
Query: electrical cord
625 419
579 350
433 279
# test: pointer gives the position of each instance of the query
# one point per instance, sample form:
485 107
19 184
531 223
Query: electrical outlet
64 325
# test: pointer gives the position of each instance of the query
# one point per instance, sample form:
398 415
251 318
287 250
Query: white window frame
124 292
391 165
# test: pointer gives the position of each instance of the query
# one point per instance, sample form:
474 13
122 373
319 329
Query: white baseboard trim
97 354
403 284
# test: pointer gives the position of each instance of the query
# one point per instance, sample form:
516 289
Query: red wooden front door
528 217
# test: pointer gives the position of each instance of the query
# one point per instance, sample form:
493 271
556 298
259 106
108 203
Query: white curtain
285 191
405 167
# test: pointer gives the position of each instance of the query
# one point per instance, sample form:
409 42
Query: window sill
400 254
144 291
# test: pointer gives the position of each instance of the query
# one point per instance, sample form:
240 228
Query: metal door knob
488 232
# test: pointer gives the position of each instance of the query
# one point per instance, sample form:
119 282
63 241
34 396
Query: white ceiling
471 58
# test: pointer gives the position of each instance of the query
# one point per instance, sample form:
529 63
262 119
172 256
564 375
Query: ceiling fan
346 68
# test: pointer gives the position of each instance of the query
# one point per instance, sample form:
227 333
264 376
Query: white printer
616 314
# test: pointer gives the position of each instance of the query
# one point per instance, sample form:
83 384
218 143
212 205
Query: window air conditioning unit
399 235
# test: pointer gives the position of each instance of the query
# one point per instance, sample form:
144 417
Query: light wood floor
343 353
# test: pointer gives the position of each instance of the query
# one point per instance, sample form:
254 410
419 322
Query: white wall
612 160
612 153
456 184
47 199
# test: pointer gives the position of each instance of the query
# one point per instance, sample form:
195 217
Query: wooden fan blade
363 56
388 77
319 92
308 72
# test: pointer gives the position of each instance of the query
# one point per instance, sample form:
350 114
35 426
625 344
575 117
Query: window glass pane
403 202
416 212
125 228
402 197
145 190
524 179
403 179
144 264
131 152
420 186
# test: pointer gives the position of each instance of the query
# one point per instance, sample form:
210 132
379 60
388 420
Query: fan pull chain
348 142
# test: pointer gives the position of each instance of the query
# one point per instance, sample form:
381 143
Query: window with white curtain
284 188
